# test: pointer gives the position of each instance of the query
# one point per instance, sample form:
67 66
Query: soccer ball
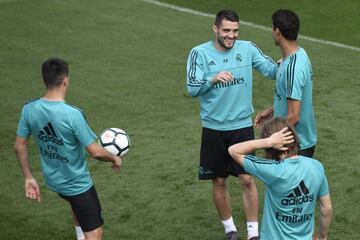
115 141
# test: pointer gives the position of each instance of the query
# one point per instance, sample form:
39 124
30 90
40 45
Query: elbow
232 151
294 119
193 93
326 211
18 148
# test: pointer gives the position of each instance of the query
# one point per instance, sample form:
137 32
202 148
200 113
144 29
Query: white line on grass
250 24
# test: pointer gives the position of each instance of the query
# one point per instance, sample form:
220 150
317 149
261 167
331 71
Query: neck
285 155
55 95
288 48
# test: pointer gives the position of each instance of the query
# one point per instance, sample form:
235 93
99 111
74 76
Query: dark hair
287 22
54 71
227 14
274 125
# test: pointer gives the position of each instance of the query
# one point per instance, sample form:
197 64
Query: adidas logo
299 195
47 134
211 63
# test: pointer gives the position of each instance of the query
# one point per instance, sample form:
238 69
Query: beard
221 42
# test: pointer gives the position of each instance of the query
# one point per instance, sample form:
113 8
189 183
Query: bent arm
197 84
325 217
100 153
276 140
239 150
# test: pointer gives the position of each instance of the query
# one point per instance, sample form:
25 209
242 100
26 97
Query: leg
86 211
249 197
79 233
250 204
221 198
95 234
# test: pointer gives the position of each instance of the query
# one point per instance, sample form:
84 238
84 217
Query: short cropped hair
287 22
54 71
227 14
274 125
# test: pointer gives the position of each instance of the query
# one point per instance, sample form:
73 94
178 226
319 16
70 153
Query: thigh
87 209
237 136
213 155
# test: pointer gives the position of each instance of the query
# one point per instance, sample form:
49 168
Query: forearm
104 156
196 90
324 224
98 152
293 119
269 111
23 157
239 150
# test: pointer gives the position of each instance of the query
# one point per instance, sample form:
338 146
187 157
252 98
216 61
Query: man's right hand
223 76
32 189
116 164
263 116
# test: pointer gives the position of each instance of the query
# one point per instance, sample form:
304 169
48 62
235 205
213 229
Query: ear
277 31
66 81
215 28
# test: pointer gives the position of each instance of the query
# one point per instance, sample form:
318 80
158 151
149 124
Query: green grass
333 20
127 61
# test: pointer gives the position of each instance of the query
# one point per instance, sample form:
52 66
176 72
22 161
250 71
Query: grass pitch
127 64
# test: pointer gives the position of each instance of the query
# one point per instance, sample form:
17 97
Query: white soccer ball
115 141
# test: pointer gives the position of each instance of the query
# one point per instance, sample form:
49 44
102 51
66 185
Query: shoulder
300 59
73 109
203 48
245 44
29 104
31 101
262 161
312 162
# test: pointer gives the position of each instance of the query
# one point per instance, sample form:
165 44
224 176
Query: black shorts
308 152
215 160
87 209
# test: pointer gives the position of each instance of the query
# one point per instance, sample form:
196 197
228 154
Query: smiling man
219 72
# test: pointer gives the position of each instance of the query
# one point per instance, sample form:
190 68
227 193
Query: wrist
267 143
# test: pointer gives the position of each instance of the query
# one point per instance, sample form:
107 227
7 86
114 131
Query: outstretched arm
32 189
98 152
276 140
325 217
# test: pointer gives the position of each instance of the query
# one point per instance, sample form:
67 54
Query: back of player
293 186
293 183
61 136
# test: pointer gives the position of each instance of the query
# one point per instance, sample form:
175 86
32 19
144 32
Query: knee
247 181
96 234
219 183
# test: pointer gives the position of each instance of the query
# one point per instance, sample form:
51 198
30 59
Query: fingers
115 168
34 195
224 77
